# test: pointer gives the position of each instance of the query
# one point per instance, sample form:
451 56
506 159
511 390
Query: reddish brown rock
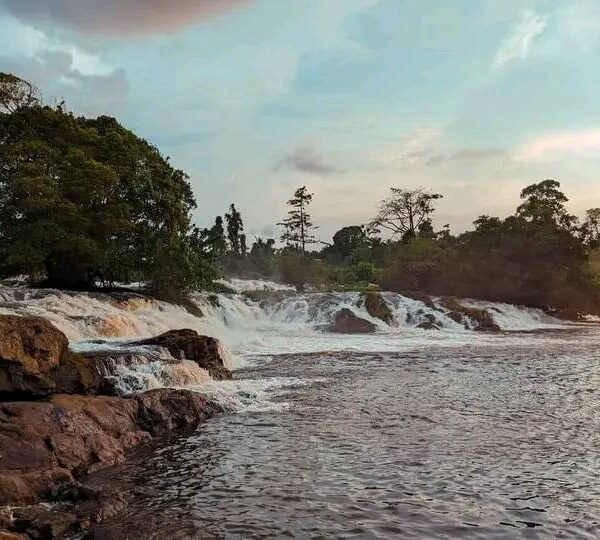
376 307
479 318
42 444
30 349
346 322
35 361
188 344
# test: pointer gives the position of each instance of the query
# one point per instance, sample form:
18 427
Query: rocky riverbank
60 419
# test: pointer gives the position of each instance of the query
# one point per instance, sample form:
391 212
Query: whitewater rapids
280 322
270 326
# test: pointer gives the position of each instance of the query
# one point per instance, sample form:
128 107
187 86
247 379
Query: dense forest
86 203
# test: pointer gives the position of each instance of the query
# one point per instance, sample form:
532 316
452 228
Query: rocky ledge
56 425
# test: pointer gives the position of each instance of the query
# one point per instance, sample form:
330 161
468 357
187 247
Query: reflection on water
497 439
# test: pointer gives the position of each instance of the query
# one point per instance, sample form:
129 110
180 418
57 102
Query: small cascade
145 368
87 316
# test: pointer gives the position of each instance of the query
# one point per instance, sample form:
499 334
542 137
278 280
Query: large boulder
188 344
346 322
35 361
377 307
47 444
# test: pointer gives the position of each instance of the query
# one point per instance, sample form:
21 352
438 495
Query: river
405 433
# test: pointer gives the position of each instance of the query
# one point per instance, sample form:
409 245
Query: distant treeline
539 256
86 203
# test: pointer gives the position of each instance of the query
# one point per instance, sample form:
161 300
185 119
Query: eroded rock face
376 307
35 360
188 344
45 444
346 322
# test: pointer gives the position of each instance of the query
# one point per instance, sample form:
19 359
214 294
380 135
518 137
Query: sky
473 99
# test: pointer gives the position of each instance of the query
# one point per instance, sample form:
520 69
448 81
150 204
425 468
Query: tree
235 226
262 255
216 237
349 239
16 93
544 203
404 211
297 227
85 200
590 229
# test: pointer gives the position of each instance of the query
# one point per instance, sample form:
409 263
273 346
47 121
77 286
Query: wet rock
50 523
188 344
132 302
480 319
35 361
455 316
346 322
44 445
427 325
377 307
5 535
421 297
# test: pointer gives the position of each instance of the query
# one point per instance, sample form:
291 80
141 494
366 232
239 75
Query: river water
405 433
496 438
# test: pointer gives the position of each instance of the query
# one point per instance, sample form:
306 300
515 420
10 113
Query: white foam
252 285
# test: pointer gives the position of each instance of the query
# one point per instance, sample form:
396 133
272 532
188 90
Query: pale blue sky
253 98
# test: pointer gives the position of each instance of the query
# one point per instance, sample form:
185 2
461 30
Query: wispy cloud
517 45
558 144
306 160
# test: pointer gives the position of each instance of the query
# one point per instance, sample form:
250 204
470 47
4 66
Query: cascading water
277 323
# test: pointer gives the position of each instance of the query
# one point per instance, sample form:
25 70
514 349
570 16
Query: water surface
496 438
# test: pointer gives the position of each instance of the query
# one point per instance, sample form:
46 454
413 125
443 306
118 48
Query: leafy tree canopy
85 200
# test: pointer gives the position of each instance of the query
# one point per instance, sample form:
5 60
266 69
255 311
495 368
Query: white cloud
517 45
414 146
558 144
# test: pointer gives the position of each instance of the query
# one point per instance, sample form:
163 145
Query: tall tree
544 203
235 226
404 212
298 227
215 238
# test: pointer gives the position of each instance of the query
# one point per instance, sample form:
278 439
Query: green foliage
214 238
366 271
544 204
235 226
590 229
86 200
349 244
296 269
